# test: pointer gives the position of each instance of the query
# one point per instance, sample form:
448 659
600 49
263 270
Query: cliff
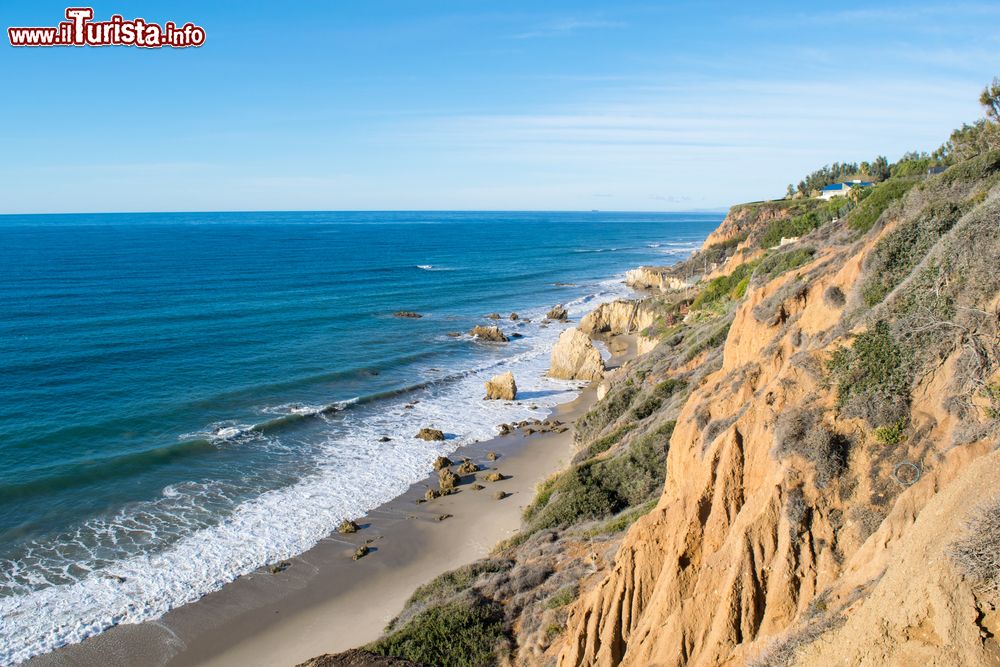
741 237
799 468
820 480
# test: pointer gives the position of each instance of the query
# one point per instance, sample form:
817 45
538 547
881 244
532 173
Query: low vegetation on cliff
760 479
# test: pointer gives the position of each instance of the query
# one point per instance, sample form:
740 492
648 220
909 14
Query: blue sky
480 105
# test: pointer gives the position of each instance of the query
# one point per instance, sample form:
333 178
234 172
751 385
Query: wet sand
325 602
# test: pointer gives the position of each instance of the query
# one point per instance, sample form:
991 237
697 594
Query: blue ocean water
186 397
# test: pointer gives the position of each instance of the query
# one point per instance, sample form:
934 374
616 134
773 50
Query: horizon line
370 210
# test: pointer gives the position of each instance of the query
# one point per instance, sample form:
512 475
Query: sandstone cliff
819 479
799 469
617 317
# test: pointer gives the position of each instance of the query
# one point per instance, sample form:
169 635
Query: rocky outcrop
655 278
748 221
800 472
574 357
491 334
430 434
558 313
501 387
793 529
447 479
617 317
347 526
442 462
407 314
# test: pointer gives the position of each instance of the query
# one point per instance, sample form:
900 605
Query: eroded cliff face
617 317
746 220
801 502
785 473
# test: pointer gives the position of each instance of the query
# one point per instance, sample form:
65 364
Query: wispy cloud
911 14
566 27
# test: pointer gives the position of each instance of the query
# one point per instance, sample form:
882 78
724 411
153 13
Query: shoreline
325 602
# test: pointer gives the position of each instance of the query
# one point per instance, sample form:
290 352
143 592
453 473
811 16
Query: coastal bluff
796 468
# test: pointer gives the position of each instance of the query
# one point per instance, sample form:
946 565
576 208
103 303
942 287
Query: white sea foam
287 521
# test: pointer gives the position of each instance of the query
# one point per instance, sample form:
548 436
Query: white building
841 189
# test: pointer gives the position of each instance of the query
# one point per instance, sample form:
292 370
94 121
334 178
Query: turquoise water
211 389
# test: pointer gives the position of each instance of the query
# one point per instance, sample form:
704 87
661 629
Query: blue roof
845 186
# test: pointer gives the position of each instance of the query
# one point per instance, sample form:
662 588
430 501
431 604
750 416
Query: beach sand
325 602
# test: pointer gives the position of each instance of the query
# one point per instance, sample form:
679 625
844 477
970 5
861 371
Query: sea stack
502 387
491 334
558 312
574 357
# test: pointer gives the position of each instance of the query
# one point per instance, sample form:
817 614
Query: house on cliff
841 189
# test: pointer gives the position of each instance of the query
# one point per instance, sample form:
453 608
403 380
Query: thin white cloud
909 14
566 27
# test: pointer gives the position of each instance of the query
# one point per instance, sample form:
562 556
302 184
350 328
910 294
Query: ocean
186 397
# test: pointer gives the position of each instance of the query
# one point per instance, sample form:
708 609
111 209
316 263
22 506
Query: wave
431 267
594 250
81 473
198 536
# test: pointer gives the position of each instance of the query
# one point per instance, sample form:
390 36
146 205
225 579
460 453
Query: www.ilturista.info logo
81 30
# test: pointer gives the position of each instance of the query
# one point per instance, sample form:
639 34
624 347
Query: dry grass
802 432
834 296
978 554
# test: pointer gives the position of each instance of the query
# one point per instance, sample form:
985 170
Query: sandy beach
326 602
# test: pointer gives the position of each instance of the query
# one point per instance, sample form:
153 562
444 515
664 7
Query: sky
474 105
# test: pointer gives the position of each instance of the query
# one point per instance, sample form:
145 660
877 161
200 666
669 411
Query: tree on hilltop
990 99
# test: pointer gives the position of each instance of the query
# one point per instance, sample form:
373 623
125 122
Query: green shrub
467 632
892 434
669 387
648 406
894 256
774 265
876 200
721 251
730 286
454 582
622 521
562 597
717 338
971 141
992 392
605 412
605 443
976 169
802 224
594 489
655 399
916 166
542 496
578 495
873 376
